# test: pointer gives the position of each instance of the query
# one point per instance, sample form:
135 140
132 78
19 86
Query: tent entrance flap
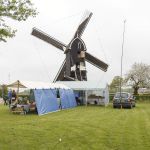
46 101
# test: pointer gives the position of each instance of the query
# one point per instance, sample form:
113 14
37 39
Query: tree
138 76
19 10
115 84
3 90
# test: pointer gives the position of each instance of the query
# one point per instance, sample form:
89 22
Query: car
124 100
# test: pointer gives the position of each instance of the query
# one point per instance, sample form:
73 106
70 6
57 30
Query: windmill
73 67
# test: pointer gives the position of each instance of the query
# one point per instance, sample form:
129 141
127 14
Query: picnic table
22 108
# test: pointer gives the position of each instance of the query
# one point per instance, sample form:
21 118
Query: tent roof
82 85
36 85
16 84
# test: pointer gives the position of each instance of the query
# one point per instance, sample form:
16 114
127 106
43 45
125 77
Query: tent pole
3 91
17 90
18 87
86 97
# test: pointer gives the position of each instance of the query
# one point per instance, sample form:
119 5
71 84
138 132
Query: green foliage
115 84
81 128
138 76
139 97
3 90
111 96
143 97
18 10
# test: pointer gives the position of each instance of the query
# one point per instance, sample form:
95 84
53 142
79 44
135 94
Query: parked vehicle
124 100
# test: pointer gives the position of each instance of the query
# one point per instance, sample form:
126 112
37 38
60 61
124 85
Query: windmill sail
45 37
96 62
86 18
73 67
60 74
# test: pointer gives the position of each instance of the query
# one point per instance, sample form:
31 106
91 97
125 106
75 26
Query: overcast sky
27 58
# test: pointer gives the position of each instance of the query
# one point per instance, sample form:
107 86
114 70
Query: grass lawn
81 128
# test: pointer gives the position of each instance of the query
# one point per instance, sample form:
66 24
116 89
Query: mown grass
81 128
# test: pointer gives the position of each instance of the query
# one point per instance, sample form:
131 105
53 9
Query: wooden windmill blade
96 62
47 38
60 74
86 18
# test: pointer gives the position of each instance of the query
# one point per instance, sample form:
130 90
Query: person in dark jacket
14 95
10 97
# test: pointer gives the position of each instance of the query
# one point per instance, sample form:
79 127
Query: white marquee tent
45 95
89 88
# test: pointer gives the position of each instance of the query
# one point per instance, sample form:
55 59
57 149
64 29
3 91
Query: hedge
140 97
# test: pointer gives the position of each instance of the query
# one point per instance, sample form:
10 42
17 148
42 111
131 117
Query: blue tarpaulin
67 98
46 101
71 98
64 99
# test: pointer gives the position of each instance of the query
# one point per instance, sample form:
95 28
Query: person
78 100
58 99
5 98
59 103
10 96
14 95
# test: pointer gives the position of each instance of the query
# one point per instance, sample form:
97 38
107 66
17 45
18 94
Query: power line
66 18
99 39
42 61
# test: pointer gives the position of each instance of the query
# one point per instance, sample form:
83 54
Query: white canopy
36 85
82 85
89 88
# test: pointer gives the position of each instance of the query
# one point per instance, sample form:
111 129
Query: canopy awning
36 85
16 84
82 85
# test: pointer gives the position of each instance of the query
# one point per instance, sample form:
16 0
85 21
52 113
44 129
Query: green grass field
81 128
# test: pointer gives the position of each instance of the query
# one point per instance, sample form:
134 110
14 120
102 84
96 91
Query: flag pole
122 60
